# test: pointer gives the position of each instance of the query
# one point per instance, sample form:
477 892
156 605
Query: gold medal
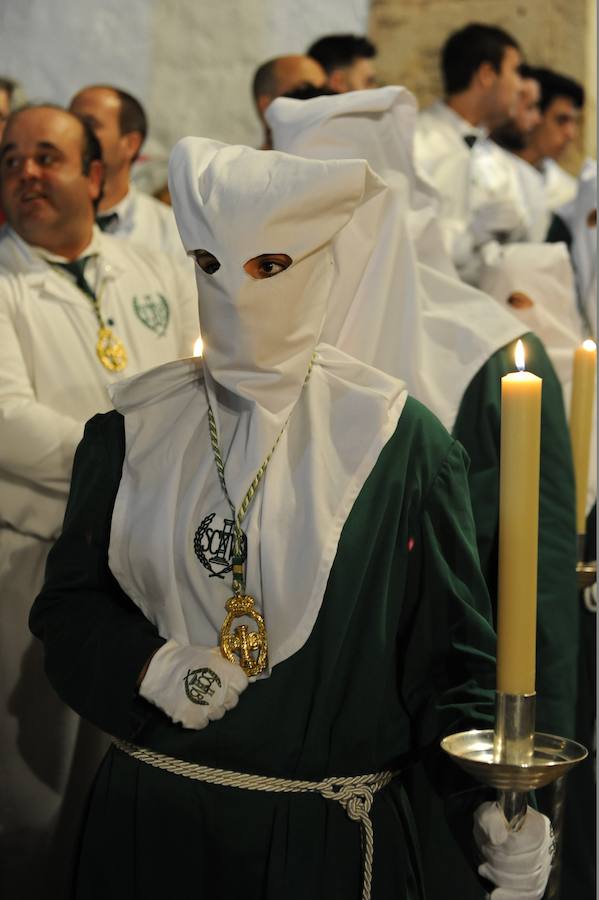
249 649
111 351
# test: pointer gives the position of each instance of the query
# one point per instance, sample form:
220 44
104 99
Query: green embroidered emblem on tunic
153 310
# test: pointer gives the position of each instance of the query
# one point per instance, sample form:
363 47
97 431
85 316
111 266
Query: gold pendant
238 646
111 352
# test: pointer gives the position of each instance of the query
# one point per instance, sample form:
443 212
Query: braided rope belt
355 793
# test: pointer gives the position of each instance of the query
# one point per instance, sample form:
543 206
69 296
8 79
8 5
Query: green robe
477 427
402 651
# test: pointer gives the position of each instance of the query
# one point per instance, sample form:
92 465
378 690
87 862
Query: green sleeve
477 427
96 640
449 672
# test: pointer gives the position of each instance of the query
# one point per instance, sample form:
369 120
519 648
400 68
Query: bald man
279 76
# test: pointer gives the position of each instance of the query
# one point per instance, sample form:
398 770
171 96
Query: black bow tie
108 222
470 139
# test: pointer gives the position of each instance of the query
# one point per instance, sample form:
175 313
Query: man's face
528 114
43 190
557 130
360 76
503 89
4 110
100 107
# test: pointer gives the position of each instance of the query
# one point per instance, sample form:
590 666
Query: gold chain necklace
109 348
249 649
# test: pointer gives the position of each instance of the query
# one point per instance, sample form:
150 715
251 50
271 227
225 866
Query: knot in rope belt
355 793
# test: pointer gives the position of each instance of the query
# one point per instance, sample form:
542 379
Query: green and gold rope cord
239 515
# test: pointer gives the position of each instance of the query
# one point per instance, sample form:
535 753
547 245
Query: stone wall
554 33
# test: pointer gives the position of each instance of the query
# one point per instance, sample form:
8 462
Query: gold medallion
111 352
240 645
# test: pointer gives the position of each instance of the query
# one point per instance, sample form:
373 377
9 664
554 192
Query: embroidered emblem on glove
199 683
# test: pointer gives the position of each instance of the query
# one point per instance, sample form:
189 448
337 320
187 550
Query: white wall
190 62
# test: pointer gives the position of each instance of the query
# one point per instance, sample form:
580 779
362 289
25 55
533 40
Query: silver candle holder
513 758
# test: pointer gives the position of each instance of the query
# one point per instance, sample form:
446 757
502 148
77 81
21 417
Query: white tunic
534 198
560 186
51 380
480 197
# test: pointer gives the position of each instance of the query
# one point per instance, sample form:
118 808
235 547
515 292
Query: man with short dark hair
279 76
513 138
562 100
347 60
79 310
120 124
480 199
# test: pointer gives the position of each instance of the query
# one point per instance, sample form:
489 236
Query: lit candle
581 422
518 529
198 347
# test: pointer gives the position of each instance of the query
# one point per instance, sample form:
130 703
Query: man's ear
486 75
133 141
95 177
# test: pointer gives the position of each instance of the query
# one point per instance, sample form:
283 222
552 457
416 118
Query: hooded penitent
536 283
271 382
427 327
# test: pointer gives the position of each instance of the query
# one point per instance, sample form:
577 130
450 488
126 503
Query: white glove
517 862
495 220
192 685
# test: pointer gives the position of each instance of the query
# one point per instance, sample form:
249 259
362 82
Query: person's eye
207 262
45 159
9 163
267 265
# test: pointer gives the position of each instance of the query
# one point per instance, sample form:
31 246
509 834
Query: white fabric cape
343 419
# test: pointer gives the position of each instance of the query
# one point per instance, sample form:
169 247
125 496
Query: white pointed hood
170 543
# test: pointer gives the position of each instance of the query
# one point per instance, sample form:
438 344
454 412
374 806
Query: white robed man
284 671
513 137
562 101
78 311
480 198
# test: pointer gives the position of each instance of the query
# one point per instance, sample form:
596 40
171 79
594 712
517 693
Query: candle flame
589 345
198 347
520 361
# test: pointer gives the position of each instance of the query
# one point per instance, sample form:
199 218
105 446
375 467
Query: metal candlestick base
586 572
514 758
